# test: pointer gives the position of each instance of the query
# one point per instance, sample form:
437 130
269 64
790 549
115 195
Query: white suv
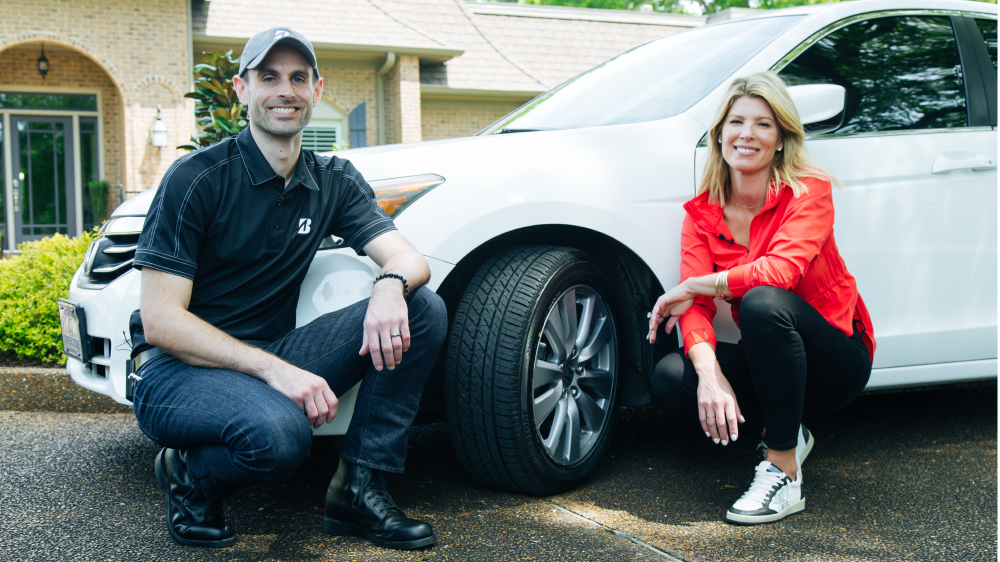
551 233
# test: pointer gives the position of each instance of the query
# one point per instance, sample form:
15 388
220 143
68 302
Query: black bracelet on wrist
406 286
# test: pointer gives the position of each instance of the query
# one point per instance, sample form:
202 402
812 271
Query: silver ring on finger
395 335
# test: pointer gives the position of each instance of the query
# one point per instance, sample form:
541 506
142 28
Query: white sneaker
802 448
772 496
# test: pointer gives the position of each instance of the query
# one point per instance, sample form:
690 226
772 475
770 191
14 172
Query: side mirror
817 103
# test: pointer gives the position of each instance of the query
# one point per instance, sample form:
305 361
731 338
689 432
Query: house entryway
50 150
43 196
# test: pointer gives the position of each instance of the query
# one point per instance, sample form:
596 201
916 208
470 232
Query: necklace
733 199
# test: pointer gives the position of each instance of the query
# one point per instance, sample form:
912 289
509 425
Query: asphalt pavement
909 476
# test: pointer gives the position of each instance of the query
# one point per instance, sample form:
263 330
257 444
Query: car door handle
979 163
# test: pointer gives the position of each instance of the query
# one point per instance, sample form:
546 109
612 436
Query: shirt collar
260 171
302 175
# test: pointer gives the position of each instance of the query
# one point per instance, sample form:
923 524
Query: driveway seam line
617 533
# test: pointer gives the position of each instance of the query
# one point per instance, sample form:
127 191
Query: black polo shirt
224 219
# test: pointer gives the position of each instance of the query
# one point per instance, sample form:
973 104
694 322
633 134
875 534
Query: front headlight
110 255
393 195
396 194
123 225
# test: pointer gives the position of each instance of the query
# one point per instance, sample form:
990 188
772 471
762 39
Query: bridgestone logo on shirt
304 226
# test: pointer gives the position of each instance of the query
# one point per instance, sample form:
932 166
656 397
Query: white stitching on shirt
358 185
159 195
166 269
180 212
372 237
168 256
361 231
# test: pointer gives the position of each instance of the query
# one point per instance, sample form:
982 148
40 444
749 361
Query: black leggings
790 361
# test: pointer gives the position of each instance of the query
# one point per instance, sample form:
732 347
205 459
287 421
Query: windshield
652 81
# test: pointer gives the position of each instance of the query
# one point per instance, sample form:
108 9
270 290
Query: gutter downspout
390 61
190 30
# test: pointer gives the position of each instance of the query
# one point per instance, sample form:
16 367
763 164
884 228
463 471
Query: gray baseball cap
260 45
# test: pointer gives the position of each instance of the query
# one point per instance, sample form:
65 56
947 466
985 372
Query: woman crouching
760 232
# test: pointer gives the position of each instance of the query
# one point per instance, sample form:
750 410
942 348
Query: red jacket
791 246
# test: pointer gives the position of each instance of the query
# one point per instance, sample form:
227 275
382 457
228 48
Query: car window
989 30
900 73
653 81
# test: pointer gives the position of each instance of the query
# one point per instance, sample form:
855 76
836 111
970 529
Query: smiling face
750 135
280 92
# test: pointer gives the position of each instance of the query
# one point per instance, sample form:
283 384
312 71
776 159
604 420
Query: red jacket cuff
737 281
698 336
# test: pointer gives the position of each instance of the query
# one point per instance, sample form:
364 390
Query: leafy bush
30 285
219 111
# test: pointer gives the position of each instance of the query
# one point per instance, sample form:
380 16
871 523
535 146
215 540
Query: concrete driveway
909 476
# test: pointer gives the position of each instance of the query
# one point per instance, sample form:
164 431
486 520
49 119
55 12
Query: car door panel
922 246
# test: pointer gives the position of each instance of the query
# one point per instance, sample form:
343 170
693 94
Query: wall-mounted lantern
159 130
43 63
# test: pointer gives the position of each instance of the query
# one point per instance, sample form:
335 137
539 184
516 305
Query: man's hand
308 391
387 325
168 325
387 322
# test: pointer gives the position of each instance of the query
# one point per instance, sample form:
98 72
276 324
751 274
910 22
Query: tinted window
899 72
14 100
653 81
989 30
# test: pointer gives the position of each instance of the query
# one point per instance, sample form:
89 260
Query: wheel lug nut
562 366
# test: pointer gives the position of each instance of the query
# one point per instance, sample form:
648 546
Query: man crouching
224 381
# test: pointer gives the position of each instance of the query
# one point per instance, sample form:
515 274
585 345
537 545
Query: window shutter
359 131
319 139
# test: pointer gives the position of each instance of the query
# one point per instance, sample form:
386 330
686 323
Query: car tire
526 413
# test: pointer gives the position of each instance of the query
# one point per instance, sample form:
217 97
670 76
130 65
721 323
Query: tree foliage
218 111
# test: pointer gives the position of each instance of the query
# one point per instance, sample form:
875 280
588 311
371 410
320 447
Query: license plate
74 330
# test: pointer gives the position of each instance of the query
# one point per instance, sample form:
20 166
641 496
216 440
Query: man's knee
279 446
428 312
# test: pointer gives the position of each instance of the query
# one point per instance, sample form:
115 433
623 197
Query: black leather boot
357 501
192 518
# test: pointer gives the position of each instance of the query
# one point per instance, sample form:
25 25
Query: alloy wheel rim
574 372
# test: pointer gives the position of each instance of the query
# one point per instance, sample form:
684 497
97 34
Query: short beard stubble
262 119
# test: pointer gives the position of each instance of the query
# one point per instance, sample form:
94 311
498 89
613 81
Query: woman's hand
669 308
718 411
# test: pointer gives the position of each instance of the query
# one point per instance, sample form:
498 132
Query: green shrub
30 285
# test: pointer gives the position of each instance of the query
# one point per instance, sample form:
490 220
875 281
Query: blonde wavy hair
790 165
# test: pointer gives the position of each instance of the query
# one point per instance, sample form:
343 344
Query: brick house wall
348 88
72 70
141 47
445 123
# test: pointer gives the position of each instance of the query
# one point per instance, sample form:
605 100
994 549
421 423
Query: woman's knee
764 307
668 388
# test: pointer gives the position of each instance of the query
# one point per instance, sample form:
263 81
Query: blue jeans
239 432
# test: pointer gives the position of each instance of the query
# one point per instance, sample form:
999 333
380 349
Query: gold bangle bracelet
722 286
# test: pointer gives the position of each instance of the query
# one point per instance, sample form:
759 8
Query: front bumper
336 279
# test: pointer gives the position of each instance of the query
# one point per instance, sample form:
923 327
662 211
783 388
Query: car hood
139 204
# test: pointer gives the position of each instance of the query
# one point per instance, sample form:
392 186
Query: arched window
326 130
